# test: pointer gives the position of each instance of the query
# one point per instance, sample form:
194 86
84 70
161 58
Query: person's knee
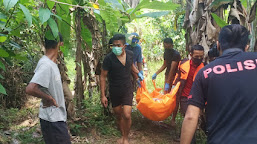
127 116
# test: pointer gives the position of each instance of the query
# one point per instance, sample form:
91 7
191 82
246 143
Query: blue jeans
55 132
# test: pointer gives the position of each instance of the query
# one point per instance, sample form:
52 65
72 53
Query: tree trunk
66 90
85 61
100 47
96 54
187 25
79 92
253 43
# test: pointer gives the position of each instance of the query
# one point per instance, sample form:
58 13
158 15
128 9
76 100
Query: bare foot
120 141
125 141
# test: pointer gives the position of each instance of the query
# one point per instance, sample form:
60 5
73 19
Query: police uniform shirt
118 74
170 55
227 88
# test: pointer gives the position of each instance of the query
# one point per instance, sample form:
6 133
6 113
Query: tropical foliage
25 23
204 19
86 27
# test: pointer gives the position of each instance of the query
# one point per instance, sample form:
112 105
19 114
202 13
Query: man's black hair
111 41
196 47
119 37
213 52
233 36
168 40
51 44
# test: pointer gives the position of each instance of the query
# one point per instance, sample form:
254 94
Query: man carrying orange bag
170 63
118 66
187 71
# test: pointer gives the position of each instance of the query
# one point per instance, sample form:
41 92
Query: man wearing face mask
187 71
118 66
137 56
137 52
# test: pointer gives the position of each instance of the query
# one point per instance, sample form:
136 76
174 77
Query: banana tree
204 19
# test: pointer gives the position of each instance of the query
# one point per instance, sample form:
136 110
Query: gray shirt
47 76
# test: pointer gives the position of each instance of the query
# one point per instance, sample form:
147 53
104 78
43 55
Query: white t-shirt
47 76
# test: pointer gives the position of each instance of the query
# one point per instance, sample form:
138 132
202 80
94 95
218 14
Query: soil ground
143 131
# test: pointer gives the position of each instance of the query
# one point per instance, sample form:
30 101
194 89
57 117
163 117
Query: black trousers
55 132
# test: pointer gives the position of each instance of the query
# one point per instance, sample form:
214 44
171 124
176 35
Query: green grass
152 68
13 115
26 137
10 118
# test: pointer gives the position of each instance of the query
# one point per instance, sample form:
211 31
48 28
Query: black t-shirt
229 86
118 74
170 55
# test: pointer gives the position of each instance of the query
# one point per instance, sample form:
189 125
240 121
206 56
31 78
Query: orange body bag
156 106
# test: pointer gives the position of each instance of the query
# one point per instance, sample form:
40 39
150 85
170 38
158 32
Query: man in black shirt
227 88
118 66
171 60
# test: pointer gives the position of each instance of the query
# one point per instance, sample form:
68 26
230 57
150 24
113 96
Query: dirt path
143 131
148 133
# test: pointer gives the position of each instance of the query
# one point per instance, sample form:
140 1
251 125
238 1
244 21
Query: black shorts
121 95
55 132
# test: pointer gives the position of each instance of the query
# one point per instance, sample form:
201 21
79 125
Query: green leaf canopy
2 66
2 89
3 38
53 26
50 4
27 14
115 4
3 53
154 14
8 4
44 14
156 5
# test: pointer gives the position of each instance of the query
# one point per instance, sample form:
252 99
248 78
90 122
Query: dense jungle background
87 26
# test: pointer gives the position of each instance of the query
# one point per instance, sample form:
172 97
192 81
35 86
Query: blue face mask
117 50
